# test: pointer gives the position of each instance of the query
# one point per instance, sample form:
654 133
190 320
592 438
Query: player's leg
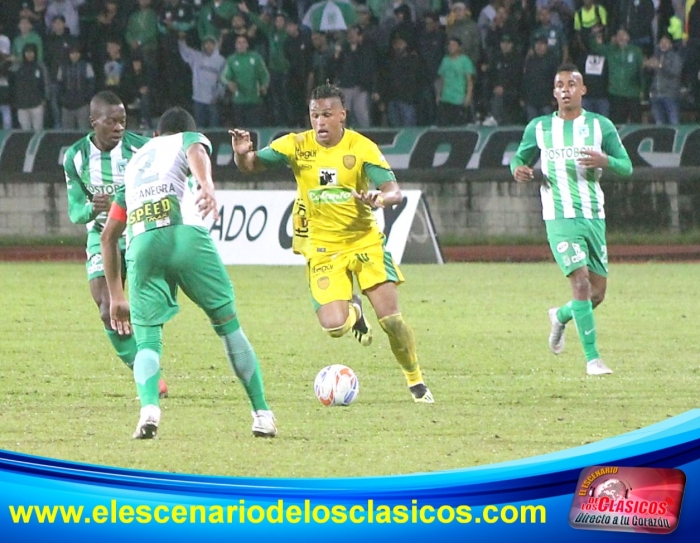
379 278
147 377
153 302
203 278
124 346
330 283
597 266
571 246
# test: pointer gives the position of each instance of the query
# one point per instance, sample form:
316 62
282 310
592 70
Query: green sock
245 364
125 346
146 375
585 324
564 313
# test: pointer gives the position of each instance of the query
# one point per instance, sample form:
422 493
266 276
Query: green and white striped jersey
90 171
570 190
159 189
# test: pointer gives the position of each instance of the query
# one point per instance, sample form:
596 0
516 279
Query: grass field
482 338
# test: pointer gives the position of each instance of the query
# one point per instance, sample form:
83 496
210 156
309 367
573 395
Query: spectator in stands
58 46
5 81
138 90
207 89
355 69
664 93
239 27
594 68
562 11
637 17
431 47
321 62
500 25
591 14
539 72
388 19
111 76
27 35
373 35
110 25
69 10
455 86
404 27
215 16
35 11
76 85
175 17
248 79
486 17
277 98
298 49
142 34
461 26
505 79
626 77
402 84
557 41
31 87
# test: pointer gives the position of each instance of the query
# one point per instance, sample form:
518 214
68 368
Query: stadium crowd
399 62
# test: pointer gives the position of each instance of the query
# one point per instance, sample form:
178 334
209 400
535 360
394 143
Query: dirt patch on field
477 253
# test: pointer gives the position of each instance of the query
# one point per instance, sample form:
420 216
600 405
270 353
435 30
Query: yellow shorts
331 275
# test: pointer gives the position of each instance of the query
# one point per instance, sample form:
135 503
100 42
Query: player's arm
388 192
111 260
250 161
521 165
612 156
200 166
82 208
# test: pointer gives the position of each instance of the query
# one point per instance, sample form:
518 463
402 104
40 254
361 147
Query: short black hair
176 120
328 90
568 67
107 98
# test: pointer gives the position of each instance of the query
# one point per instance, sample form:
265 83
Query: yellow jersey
326 212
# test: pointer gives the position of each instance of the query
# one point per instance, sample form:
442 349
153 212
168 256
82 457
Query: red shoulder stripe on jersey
117 212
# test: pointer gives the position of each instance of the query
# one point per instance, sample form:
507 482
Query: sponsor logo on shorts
628 499
323 282
579 256
95 264
323 268
562 247
567 261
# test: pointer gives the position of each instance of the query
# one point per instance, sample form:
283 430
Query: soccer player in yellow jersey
334 168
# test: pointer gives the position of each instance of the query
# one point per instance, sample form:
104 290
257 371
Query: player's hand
120 316
206 202
240 141
100 203
523 174
593 159
373 198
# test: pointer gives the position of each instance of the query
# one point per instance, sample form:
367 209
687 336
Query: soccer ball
336 385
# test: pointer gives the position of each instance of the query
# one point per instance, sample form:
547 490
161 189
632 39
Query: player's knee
597 297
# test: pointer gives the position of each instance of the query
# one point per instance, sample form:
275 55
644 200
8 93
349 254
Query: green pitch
482 339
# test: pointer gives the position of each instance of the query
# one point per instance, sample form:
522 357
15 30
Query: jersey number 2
145 175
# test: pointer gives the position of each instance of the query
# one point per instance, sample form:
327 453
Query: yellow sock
403 345
349 323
